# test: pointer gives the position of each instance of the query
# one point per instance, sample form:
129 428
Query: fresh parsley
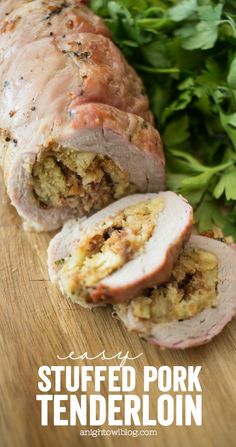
185 52
60 262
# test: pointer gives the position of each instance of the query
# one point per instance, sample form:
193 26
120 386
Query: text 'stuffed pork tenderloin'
196 303
113 255
75 129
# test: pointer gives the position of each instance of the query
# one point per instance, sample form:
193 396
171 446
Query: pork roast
118 252
195 305
76 132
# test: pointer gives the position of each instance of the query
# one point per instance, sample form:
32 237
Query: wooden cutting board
37 324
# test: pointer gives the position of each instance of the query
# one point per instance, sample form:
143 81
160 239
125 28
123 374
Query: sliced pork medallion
115 254
196 303
74 118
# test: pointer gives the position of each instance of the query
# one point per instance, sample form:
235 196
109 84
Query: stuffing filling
78 179
114 242
192 288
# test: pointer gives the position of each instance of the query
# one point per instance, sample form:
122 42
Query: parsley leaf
226 185
183 10
60 261
208 214
185 52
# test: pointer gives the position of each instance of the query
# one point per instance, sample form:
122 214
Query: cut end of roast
103 154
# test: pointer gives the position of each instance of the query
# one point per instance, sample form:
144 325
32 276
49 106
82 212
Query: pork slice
153 265
201 328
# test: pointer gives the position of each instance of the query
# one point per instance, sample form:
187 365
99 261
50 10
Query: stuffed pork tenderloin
76 131
194 305
114 255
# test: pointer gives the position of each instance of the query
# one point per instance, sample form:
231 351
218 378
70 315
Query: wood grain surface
37 323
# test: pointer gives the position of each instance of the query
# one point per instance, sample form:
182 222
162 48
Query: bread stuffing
79 179
192 287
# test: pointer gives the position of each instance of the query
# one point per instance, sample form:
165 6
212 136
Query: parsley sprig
185 52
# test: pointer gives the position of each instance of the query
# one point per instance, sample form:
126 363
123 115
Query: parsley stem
156 70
